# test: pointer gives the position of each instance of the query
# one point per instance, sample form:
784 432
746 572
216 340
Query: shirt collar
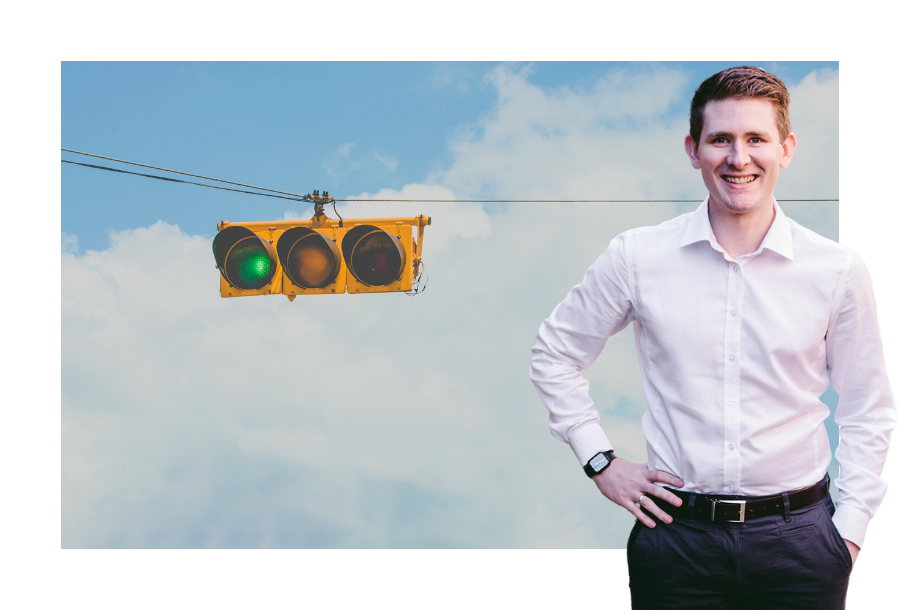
777 239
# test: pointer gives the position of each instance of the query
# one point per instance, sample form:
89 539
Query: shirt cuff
587 441
851 523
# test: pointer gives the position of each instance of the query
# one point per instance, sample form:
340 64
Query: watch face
599 461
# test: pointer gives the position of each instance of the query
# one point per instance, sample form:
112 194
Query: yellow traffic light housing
319 256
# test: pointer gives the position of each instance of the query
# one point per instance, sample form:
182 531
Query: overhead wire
418 285
175 171
212 186
308 199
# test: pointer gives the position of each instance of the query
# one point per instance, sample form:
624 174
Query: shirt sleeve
571 339
865 412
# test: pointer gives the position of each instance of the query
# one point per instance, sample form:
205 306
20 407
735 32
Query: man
741 317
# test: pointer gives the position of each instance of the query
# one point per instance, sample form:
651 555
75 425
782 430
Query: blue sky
345 127
375 421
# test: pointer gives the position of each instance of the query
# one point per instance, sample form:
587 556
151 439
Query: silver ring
639 500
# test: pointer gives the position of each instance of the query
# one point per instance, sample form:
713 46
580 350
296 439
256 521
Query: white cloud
293 215
609 142
389 163
455 75
623 139
177 401
69 242
340 163
345 160
451 220
813 171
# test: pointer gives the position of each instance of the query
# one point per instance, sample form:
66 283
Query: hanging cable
308 199
334 207
175 171
417 286
223 188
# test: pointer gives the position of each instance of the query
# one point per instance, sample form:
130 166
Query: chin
742 207
742 203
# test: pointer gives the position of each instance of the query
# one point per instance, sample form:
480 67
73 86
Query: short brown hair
742 82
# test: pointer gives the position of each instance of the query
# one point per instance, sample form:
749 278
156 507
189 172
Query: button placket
732 377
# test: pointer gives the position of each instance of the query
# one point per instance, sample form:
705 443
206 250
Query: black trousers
796 560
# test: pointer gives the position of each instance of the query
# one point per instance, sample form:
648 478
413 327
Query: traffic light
319 256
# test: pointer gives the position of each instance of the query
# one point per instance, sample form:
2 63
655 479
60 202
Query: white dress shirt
734 354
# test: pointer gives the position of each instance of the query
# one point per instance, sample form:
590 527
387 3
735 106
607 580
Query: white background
40 574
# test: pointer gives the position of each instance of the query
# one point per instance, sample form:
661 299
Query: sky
356 127
371 421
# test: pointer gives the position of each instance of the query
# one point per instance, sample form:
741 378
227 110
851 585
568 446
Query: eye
720 140
756 140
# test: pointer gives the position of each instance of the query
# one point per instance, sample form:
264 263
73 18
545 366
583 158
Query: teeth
743 180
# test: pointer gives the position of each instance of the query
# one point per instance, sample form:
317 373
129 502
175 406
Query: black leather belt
737 509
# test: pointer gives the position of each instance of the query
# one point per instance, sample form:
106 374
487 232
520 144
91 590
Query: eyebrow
728 134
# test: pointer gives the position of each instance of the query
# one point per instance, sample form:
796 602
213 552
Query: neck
741 234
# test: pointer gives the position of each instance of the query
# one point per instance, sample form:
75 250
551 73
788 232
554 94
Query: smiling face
739 155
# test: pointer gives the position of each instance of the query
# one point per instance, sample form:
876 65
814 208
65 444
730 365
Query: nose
738 155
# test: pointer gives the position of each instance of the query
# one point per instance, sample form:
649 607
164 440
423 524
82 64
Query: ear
787 150
690 147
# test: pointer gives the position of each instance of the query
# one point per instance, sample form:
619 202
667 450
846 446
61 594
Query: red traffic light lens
373 256
375 259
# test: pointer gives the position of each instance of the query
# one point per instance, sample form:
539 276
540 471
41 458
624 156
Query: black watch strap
599 463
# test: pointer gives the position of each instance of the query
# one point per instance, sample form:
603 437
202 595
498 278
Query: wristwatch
599 463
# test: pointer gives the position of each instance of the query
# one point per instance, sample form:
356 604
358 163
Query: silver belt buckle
743 503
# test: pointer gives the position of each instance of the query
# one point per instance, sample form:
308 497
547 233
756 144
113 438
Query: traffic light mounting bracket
319 202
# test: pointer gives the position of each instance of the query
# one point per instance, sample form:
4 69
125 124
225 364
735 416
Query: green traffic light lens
255 268
249 265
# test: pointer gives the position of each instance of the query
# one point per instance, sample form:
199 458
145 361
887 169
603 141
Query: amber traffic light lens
311 262
376 259
309 259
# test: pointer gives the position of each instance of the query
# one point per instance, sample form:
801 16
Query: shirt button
731 446
731 357
733 312
731 488
733 268
731 401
